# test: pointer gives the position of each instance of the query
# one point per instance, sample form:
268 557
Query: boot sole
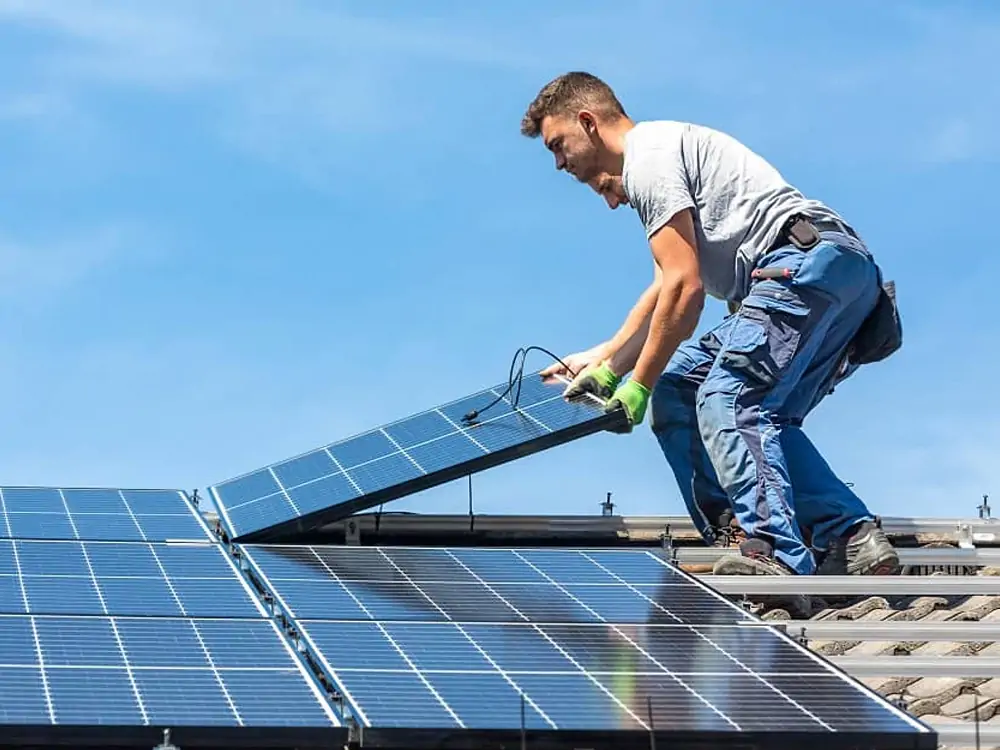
888 565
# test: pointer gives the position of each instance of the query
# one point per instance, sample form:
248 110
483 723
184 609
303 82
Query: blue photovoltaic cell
122 578
484 585
397 459
454 638
108 514
153 671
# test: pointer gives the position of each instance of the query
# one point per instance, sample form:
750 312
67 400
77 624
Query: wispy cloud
280 81
34 271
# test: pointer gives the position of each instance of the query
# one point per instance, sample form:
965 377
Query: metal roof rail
976 530
918 666
892 630
964 733
854 585
913 556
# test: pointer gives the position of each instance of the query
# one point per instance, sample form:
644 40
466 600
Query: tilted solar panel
407 456
99 513
107 642
424 640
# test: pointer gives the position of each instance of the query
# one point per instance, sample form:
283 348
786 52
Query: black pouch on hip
881 333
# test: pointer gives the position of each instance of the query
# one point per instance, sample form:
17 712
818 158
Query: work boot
757 558
865 552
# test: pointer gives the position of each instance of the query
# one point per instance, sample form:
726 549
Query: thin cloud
283 81
286 84
35 271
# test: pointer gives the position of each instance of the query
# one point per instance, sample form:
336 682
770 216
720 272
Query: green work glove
600 381
632 396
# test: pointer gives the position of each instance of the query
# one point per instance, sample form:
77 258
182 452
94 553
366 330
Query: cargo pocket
762 343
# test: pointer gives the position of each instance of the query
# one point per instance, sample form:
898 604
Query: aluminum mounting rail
979 530
962 734
914 556
893 630
918 666
854 585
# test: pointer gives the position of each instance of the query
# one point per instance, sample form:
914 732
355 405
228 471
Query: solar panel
121 614
113 675
617 641
99 513
407 456
122 578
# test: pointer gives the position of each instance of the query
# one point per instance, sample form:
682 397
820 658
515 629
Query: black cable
522 352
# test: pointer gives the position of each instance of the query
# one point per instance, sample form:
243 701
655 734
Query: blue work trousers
728 409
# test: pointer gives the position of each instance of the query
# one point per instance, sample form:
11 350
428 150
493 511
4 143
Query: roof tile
935 700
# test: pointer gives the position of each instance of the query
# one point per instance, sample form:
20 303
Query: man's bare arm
679 301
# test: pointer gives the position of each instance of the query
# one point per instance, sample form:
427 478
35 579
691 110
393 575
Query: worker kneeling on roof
807 307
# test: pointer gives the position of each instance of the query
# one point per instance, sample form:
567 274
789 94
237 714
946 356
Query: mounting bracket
166 744
607 507
667 544
965 536
352 533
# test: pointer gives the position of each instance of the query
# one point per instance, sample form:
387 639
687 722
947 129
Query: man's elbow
690 301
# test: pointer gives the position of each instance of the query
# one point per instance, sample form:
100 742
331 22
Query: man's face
610 188
578 149
574 149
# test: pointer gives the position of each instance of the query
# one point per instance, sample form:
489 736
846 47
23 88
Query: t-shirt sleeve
657 185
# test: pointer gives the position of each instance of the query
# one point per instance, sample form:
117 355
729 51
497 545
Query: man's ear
587 121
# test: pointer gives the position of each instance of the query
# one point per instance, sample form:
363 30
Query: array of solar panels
557 640
120 610
404 457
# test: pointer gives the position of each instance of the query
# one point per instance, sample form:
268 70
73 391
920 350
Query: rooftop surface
928 639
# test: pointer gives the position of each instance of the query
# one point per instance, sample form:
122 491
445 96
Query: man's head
583 124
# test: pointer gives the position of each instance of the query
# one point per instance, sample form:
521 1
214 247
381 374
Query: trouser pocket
762 343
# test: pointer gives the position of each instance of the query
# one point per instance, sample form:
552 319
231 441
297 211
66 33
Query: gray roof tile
937 700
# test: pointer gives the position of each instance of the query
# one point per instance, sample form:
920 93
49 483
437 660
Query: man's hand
599 380
632 396
576 363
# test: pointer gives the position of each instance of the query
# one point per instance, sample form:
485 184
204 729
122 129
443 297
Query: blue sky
231 232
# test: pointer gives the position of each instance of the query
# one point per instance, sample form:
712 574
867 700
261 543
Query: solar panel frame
120 664
921 737
348 477
121 514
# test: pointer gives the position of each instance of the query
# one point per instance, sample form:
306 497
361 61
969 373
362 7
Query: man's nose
560 162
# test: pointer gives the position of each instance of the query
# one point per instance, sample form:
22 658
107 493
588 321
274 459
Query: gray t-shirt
740 201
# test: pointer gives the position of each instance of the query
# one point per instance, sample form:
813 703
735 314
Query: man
727 409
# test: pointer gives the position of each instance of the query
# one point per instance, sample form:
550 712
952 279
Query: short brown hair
568 94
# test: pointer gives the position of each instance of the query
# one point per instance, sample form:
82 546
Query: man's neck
613 138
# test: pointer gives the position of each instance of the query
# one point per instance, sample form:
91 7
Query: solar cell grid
122 578
484 585
403 457
99 514
438 638
70 670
